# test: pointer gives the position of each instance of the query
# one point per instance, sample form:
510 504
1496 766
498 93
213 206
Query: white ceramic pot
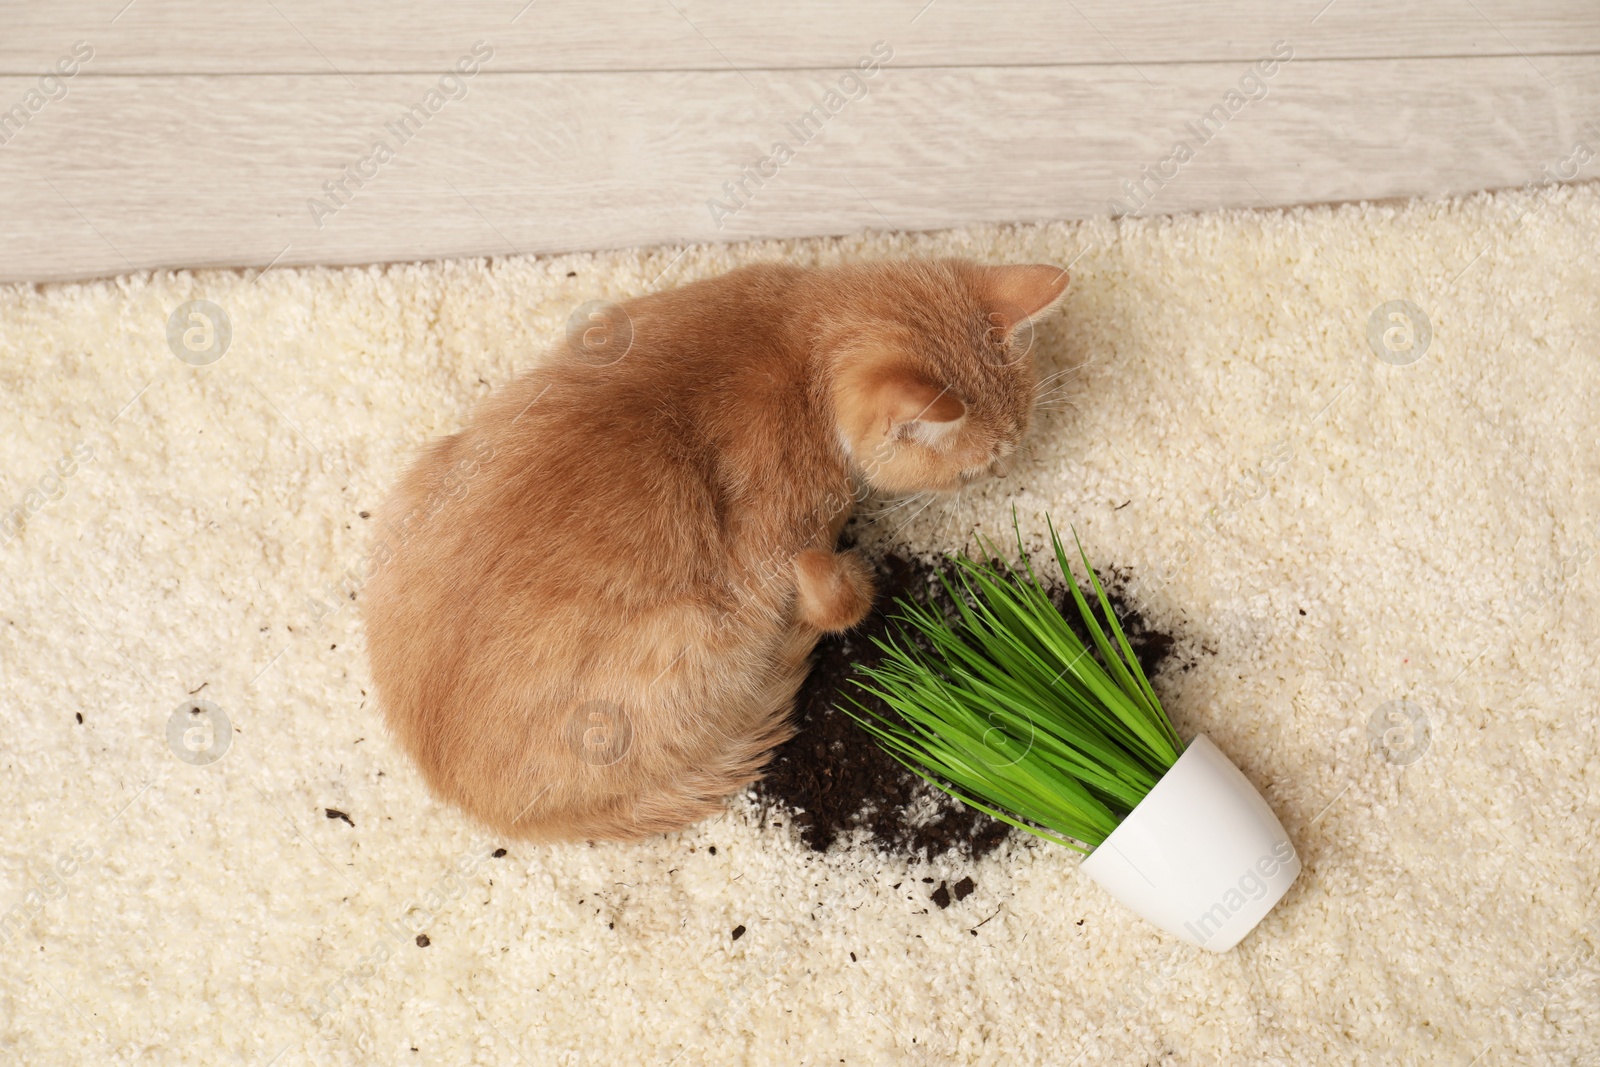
1202 856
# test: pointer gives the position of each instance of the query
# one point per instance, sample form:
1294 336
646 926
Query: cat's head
932 372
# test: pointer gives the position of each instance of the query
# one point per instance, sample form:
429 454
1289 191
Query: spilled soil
833 780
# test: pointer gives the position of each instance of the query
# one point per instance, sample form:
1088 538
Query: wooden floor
224 134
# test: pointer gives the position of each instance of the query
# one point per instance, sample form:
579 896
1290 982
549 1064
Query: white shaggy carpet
1324 531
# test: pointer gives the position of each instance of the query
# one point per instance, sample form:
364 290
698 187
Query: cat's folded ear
1015 293
919 409
893 402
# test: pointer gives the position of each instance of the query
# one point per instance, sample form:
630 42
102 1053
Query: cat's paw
834 589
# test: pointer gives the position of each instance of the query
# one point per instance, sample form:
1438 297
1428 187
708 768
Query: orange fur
593 605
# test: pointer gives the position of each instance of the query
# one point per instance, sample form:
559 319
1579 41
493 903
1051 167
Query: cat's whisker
931 498
1068 373
886 504
1055 387
1060 381
950 513
896 506
1054 394
1043 382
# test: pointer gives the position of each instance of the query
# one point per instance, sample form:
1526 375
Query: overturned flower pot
993 695
1202 856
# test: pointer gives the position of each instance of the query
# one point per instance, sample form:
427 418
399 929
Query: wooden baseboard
145 159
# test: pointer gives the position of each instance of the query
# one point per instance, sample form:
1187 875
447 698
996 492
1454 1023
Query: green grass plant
1002 705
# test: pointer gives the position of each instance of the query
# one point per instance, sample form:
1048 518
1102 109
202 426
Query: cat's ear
1013 294
912 407
884 400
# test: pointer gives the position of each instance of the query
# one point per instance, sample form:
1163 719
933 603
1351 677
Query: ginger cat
597 600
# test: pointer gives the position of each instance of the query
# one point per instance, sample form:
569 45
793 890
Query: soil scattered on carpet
833 780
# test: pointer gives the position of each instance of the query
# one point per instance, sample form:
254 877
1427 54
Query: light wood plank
314 37
140 172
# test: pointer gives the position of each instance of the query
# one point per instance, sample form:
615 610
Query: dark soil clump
833 779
